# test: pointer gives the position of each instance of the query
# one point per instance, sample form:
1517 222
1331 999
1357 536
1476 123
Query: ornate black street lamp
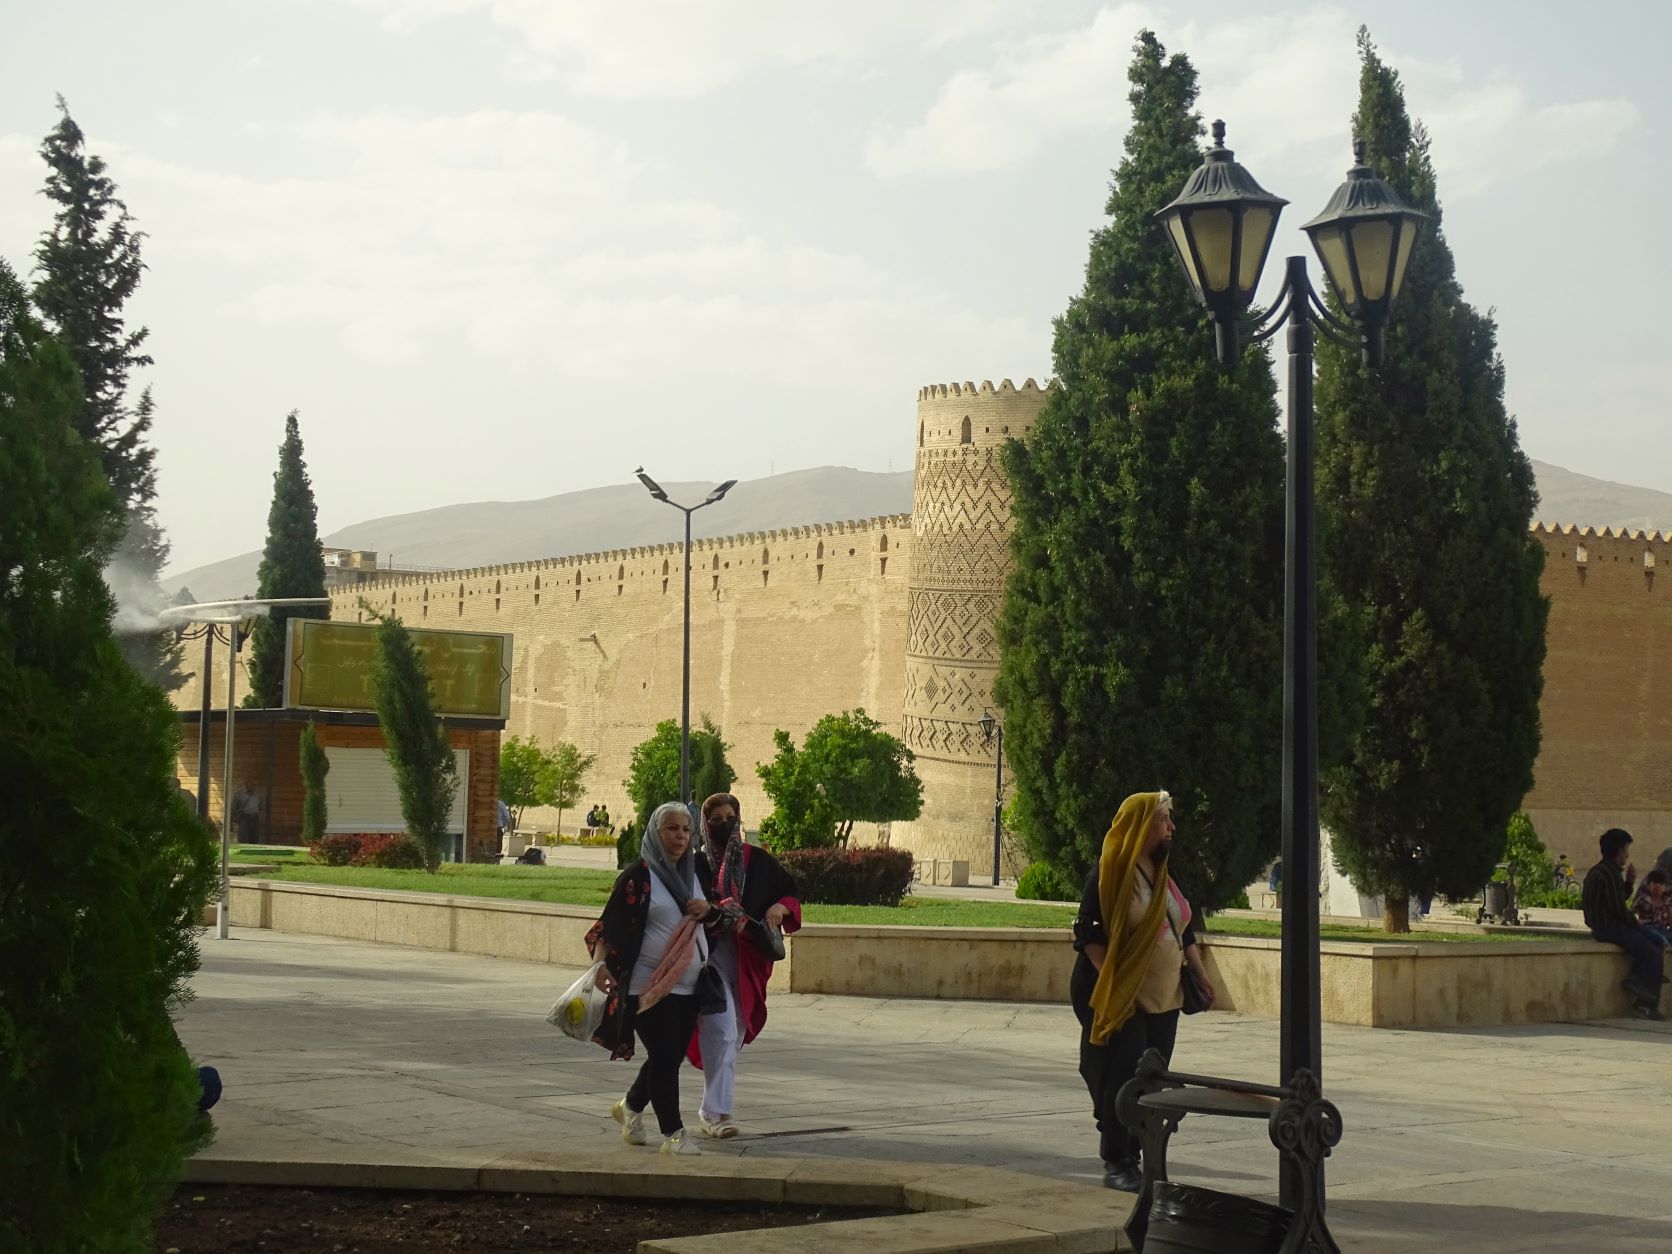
655 490
989 725
1221 226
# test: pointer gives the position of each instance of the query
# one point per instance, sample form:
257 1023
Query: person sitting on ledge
1606 891
1654 905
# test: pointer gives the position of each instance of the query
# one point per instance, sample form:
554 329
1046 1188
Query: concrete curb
952 1207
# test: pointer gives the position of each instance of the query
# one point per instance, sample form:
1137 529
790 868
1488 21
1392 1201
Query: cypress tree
104 869
315 766
88 265
1425 499
291 566
1141 630
426 773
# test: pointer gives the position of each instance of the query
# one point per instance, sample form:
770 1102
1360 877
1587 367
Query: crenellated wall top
986 388
676 548
1602 533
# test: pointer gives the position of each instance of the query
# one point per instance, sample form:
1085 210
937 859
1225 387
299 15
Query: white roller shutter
361 795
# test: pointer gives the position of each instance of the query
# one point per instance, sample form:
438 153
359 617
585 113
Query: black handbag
711 991
766 938
1195 998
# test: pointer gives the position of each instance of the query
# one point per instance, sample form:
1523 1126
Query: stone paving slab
1548 1136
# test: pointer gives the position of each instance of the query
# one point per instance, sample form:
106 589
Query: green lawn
581 886
575 886
270 853
1273 929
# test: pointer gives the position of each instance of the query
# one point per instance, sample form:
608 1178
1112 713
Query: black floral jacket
615 940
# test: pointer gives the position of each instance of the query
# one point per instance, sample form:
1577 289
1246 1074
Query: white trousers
721 1035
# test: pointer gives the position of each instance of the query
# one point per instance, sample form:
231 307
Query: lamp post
655 490
1222 225
235 616
989 726
208 633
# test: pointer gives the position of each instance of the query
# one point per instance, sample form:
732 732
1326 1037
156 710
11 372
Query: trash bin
1185 1219
1495 901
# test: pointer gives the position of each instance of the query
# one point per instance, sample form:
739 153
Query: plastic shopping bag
580 1010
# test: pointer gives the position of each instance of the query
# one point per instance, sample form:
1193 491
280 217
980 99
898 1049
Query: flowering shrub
335 850
395 852
850 877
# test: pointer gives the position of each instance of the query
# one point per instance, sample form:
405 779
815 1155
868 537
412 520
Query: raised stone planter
1385 985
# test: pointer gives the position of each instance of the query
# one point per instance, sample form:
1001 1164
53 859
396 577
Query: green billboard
330 668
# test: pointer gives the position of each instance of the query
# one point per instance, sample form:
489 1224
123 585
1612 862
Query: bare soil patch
212 1219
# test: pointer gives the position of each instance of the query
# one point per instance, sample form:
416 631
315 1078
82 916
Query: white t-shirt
659 927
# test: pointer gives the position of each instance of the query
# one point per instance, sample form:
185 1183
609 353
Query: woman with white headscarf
652 943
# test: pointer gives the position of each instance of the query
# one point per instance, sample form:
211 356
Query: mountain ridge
623 516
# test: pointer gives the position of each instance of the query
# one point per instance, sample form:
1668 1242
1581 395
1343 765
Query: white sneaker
719 1129
680 1143
631 1121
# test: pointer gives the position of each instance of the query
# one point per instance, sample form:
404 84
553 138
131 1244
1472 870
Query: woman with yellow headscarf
1133 934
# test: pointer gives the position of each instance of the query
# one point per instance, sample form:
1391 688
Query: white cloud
519 235
1286 82
661 49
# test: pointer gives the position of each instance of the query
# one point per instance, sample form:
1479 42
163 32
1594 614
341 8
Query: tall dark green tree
1426 497
1141 628
292 565
104 869
87 266
415 738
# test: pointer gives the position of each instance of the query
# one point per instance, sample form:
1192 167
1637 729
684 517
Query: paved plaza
1549 1137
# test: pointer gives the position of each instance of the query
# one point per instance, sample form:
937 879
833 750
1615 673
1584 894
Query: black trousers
666 1030
1107 1067
1648 956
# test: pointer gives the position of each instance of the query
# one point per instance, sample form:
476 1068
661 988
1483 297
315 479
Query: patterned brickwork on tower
960 560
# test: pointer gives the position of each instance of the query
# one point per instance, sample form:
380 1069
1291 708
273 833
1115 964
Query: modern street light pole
989 726
713 497
233 615
1222 225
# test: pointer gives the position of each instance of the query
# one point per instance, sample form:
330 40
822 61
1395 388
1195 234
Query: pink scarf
1183 905
676 960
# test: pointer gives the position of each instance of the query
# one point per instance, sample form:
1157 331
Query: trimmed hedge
850 877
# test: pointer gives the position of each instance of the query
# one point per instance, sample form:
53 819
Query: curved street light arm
1327 322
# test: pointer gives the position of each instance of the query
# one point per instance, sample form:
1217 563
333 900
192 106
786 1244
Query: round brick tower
960 558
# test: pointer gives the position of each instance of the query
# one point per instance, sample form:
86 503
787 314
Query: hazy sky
498 249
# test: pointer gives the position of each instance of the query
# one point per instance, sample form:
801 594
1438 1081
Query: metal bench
1302 1124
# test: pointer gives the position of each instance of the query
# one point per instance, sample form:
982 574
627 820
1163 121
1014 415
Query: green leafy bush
627 846
1551 898
850 877
1043 882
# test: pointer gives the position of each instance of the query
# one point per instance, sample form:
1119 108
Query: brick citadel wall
786 627
1606 712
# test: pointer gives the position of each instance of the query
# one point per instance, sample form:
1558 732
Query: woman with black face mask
759 902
